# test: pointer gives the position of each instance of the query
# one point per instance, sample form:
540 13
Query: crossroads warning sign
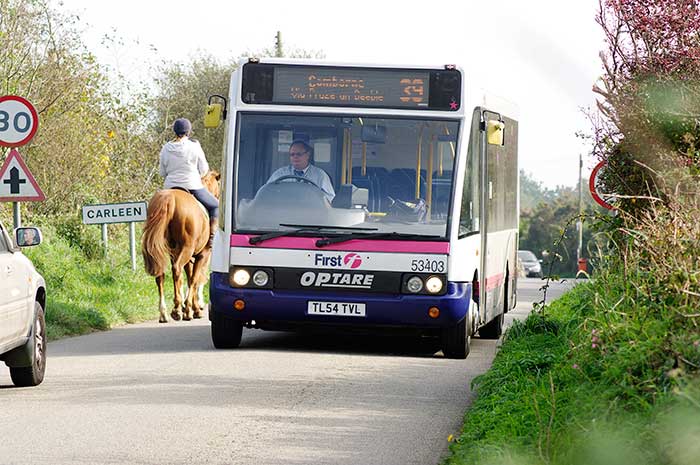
16 181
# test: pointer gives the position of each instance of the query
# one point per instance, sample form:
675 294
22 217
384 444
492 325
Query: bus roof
322 62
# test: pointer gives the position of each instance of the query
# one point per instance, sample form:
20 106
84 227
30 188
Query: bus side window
469 213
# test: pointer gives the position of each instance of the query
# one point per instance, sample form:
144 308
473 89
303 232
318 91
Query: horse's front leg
200 298
199 277
191 297
176 313
189 266
163 308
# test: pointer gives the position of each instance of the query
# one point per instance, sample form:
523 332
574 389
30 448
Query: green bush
86 293
86 238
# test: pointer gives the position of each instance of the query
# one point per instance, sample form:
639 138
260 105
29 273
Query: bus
364 197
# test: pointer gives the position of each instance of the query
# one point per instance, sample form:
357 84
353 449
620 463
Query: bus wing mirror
212 115
215 112
494 132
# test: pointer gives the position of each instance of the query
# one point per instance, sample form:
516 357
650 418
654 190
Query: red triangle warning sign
16 181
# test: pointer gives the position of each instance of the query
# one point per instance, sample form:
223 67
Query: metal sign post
132 244
129 212
104 238
16 216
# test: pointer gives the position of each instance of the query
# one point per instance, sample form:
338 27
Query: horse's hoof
186 318
197 315
163 319
175 316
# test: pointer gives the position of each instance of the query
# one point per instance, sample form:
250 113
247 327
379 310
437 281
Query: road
160 394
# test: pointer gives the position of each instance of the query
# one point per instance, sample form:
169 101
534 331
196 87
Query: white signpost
129 212
19 122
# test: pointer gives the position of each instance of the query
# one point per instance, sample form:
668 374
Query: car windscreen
526 256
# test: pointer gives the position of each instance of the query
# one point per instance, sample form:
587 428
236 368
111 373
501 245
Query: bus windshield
380 174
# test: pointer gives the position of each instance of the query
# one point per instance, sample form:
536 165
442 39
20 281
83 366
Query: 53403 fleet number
428 266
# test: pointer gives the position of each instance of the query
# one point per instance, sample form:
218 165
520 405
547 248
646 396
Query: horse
177 226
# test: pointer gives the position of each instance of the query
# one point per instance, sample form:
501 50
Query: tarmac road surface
161 394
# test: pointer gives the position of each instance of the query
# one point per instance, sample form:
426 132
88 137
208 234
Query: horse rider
182 164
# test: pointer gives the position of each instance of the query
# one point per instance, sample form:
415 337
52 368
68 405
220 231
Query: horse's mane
211 182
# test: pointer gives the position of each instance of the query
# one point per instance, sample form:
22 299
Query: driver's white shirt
312 173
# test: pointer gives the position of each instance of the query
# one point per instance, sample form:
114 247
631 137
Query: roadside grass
588 382
86 291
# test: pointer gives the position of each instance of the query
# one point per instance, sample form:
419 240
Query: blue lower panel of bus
265 305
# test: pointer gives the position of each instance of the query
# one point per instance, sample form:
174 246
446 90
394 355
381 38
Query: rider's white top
312 173
182 164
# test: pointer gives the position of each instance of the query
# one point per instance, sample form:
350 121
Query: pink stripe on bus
492 282
354 245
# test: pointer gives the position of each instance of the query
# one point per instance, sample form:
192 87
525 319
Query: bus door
500 202
491 268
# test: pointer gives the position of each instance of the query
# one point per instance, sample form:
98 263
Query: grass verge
587 383
85 291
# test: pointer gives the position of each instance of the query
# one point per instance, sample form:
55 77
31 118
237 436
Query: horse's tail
154 245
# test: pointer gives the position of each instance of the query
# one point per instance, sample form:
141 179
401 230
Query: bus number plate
336 308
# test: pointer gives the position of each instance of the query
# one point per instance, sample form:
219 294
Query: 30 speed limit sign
18 121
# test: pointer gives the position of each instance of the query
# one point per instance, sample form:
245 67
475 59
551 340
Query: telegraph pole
579 223
278 45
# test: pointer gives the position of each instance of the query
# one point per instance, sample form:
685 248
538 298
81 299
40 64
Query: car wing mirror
27 237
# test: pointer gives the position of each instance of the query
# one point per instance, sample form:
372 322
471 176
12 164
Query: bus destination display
339 86
364 87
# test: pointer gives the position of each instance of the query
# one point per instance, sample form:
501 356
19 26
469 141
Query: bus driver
300 155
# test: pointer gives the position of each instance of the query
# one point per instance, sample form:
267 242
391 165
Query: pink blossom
594 345
574 366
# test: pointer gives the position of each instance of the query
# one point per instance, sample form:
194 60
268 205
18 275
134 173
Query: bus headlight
433 285
261 278
414 284
241 277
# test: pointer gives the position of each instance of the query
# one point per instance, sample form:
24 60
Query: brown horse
177 227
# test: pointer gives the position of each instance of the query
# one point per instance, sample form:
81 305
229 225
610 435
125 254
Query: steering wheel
291 176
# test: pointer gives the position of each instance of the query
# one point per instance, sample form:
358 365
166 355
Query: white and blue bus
406 216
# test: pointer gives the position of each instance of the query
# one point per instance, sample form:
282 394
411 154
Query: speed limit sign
18 121
603 199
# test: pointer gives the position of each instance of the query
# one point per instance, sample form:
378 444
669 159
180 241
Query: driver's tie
299 173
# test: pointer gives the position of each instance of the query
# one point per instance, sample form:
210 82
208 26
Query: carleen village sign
129 212
115 213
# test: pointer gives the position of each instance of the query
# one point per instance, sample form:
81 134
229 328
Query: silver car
22 303
531 265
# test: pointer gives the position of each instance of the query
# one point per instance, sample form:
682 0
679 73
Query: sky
540 54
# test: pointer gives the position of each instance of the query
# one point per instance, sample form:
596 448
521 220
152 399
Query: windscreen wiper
301 228
318 227
385 235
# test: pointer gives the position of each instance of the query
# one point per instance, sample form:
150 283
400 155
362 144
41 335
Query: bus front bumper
280 308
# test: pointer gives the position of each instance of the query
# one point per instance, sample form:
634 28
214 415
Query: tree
542 226
88 146
532 192
184 88
649 99
182 92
